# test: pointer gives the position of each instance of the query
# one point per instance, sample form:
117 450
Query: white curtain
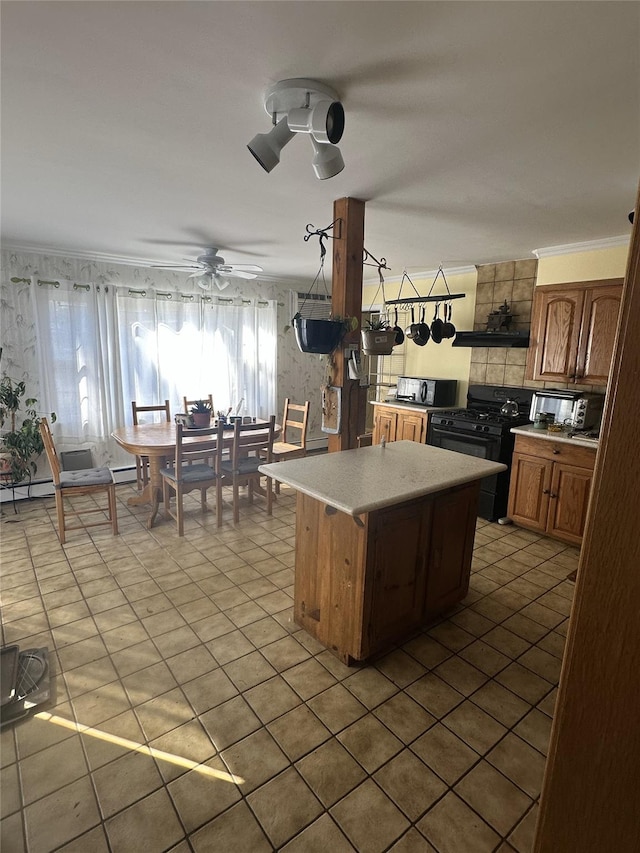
100 347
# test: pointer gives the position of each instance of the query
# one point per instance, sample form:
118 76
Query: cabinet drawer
557 451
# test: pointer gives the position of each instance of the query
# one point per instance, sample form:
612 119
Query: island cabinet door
397 546
453 527
384 424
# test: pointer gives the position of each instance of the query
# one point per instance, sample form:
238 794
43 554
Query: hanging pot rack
417 299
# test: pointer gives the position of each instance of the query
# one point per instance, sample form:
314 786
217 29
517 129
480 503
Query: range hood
491 339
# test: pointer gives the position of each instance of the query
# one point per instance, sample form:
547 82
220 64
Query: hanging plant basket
378 341
318 336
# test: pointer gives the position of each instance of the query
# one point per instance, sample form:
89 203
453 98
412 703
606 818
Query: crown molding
397 279
589 246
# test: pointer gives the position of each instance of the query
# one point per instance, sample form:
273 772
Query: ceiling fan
209 267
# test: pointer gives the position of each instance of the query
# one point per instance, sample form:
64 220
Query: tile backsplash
513 281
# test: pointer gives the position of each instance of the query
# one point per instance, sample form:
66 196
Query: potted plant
201 413
22 443
321 336
379 338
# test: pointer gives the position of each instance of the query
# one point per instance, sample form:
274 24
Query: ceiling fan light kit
210 267
301 105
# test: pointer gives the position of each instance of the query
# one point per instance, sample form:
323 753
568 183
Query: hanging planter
378 341
318 336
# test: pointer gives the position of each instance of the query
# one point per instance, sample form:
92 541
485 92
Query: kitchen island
384 540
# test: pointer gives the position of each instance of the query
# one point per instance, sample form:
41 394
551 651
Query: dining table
157 441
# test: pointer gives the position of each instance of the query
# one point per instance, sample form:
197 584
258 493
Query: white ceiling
475 131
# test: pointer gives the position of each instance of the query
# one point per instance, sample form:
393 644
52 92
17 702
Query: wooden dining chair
78 484
293 438
189 472
142 462
252 446
189 403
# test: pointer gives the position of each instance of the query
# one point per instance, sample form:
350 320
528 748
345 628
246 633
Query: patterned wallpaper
300 375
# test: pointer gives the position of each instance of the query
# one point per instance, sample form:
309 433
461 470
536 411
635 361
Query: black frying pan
437 326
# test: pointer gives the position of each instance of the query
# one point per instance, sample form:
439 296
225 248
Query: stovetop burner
485 416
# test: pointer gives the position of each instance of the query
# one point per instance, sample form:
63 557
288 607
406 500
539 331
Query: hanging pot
398 331
412 330
448 330
437 326
424 332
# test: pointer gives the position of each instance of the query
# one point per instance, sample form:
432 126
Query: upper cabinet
573 331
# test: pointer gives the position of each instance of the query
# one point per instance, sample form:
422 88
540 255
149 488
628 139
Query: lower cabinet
365 583
397 424
550 487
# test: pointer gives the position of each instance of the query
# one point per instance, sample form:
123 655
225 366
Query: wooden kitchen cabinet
398 424
573 330
550 487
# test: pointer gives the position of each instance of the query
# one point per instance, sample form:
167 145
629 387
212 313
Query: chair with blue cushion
252 446
79 483
189 472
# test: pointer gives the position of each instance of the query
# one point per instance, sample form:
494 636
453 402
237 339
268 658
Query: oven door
493 490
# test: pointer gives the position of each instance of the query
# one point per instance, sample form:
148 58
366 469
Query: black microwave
427 392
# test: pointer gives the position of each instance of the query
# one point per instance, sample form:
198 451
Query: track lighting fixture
327 160
300 105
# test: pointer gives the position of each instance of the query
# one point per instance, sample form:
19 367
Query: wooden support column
346 301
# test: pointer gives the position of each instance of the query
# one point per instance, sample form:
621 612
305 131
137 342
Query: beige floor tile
61 816
264 631
519 762
145 684
10 801
200 797
163 713
35 733
102 704
410 783
337 708
323 835
331 772
308 678
256 759
472 622
545 665
484 657
406 718
526 628
185 743
45 771
497 800
124 781
451 636
12 834
369 819
95 840
209 690
370 686
285 653
298 732
136 658
249 670
462 676
521 839
229 722
453 827
501 703
191 663
370 743
230 647
506 642
535 728
156 814
284 806
102 749
272 698
445 753
427 651
235 829
435 695
479 730
524 683
412 842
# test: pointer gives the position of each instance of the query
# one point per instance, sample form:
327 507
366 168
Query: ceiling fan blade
245 267
176 267
233 273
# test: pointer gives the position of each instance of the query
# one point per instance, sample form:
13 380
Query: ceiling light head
325 121
327 160
266 147
302 105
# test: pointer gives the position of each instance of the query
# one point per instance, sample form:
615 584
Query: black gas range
482 430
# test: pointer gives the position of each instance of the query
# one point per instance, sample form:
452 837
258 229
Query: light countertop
370 478
564 437
414 407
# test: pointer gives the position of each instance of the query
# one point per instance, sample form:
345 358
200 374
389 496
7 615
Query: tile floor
210 722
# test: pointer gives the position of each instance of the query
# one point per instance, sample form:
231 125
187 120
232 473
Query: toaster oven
577 409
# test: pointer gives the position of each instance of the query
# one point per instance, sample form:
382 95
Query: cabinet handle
552 495
546 492
556 452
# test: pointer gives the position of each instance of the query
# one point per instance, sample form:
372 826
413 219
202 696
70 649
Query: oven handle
479 437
